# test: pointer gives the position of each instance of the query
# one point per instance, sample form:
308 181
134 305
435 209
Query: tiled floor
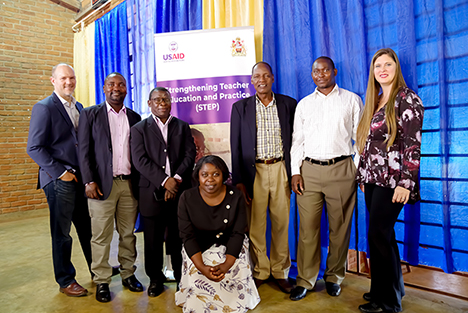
27 284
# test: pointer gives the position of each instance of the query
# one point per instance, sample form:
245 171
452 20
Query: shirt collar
273 100
335 89
158 120
111 109
65 102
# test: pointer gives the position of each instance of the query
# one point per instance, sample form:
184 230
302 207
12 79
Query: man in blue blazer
108 175
261 130
163 151
53 145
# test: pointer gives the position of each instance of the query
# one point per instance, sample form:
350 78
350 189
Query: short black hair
159 89
214 160
264 63
327 59
114 74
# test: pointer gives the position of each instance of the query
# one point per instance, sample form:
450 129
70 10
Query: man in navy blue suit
110 179
53 145
261 131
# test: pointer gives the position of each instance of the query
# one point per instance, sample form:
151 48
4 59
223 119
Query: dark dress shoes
103 293
74 290
333 289
258 282
370 307
155 289
284 285
367 296
298 293
132 283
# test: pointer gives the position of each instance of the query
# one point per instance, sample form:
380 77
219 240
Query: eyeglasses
159 100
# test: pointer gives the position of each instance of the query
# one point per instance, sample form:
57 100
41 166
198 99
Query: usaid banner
206 71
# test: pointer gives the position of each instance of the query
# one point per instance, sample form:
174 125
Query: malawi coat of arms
238 47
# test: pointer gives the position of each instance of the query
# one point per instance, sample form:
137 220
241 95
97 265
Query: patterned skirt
235 293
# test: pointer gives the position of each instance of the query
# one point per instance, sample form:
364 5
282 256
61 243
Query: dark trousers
387 287
67 204
154 232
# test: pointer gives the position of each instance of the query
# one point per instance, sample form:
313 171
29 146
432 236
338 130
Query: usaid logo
173 56
173 46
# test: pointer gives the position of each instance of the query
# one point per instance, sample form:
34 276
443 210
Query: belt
122 177
327 162
269 161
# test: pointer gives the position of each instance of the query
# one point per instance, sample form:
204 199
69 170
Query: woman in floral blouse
389 143
216 272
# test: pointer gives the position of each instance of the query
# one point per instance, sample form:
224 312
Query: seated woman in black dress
216 271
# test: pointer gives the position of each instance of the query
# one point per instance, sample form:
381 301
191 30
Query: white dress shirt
163 127
74 116
324 126
71 109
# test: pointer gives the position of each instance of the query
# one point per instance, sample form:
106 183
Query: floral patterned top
399 164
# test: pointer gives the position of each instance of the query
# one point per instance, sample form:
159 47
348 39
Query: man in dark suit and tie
163 151
108 175
53 145
261 130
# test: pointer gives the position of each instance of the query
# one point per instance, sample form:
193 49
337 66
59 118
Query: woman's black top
201 225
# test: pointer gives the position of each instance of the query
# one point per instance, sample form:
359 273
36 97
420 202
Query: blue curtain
112 50
141 23
178 15
431 40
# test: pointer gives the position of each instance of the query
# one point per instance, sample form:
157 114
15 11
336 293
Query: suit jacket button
165 150
225 221
163 167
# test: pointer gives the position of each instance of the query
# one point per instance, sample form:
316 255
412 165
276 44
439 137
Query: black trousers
67 204
154 233
387 286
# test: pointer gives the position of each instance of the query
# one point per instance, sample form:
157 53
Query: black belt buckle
122 177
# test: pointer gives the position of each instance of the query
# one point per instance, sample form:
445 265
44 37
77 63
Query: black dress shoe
132 283
155 289
298 293
115 270
333 289
367 296
370 307
103 293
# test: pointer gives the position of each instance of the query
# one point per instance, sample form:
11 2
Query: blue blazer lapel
59 105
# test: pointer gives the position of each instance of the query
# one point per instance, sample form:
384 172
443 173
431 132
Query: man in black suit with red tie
163 151
108 175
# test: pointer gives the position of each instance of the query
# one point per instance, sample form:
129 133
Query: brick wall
34 36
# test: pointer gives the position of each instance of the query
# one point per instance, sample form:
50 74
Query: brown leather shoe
258 282
284 285
74 290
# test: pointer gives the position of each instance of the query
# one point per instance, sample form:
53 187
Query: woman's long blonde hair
372 101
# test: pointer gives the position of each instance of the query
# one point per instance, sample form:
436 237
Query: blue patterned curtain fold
178 15
431 40
141 23
112 50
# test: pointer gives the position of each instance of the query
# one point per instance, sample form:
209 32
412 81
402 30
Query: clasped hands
216 273
172 186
